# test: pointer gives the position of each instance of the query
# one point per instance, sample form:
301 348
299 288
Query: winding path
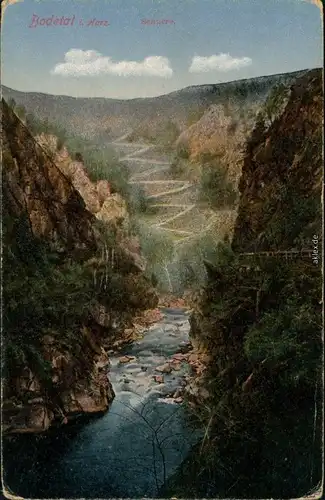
151 161
142 150
157 167
171 191
180 214
160 188
150 171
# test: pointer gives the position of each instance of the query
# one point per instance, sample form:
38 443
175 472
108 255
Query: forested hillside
257 324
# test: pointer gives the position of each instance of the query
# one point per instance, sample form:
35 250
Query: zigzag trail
180 214
159 188
140 178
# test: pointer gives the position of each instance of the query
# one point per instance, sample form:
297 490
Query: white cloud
221 62
79 62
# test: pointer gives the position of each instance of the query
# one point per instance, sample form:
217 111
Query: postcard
162 243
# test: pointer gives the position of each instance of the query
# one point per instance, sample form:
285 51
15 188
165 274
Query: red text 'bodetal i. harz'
64 21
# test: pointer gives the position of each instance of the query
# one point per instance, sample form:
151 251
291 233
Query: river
132 449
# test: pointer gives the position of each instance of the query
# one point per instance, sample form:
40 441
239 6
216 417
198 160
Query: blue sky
208 41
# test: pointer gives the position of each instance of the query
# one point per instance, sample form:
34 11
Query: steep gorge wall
65 286
220 133
34 185
281 177
257 324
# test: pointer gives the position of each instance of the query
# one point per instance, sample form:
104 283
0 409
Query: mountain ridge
104 118
205 86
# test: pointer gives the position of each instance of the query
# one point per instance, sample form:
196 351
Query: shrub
138 201
104 165
291 216
38 295
78 157
183 151
216 190
158 249
190 257
168 134
38 126
12 103
178 167
275 102
20 112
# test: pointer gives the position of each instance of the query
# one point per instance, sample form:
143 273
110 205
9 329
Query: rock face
110 209
282 171
75 171
281 164
64 371
99 200
104 190
217 133
113 210
87 393
242 320
32 183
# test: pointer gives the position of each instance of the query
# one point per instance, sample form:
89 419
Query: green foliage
158 249
169 134
103 165
38 294
183 151
189 270
44 295
76 144
12 103
20 112
291 215
165 135
264 322
38 126
19 109
155 245
138 201
287 336
216 190
178 167
275 102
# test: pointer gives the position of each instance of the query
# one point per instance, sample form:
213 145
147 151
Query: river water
133 448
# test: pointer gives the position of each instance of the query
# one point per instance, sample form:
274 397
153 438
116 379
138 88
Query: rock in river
126 359
166 368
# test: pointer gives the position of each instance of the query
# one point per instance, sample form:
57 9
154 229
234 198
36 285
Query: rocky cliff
220 133
223 129
257 324
33 184
72 280
281 179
